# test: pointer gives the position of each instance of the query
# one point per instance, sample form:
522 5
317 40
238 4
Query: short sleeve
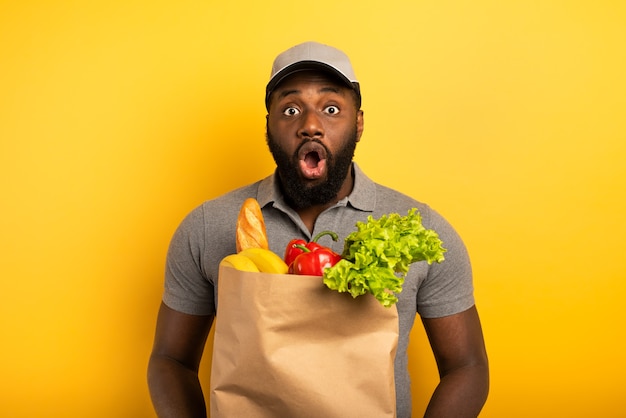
187 288
447 288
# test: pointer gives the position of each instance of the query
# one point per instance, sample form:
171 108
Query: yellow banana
266 260
239 262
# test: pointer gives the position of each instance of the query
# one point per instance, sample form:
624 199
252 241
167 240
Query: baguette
251 231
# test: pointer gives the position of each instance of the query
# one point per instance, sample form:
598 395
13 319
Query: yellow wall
118 117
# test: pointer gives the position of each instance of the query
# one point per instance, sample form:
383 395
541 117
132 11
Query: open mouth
312 156
311 159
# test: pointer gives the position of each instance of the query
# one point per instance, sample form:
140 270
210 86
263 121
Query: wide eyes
331 110
291 111
294 111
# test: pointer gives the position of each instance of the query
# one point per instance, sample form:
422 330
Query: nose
312 126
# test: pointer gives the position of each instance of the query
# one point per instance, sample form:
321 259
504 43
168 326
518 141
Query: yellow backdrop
118 117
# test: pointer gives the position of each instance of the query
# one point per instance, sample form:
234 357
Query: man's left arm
459 349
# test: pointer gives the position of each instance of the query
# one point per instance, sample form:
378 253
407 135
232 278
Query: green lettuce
376 257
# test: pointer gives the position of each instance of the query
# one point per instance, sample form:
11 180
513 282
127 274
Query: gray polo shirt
207 235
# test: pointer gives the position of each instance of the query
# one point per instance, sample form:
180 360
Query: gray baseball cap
312 56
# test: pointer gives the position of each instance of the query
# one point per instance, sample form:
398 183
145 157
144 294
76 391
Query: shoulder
213 217
371 196
232 199
389 200
221 207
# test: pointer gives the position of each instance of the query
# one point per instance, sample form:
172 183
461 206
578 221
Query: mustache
307 143
271 142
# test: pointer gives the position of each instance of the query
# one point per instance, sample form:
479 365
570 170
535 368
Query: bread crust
251 231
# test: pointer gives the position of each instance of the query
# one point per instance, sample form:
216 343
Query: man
314 122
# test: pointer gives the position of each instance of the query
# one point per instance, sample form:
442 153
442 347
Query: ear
359 125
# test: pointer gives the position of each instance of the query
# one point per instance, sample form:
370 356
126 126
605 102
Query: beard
297 191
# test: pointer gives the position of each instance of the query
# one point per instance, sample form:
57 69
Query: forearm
460 393
175 390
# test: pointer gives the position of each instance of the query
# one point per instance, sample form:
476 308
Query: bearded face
301 192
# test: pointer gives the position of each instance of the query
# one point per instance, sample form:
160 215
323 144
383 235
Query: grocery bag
287 346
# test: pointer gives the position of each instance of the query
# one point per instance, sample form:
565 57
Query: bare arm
459 349
173 367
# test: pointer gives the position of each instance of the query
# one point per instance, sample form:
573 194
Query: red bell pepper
292 250
313 262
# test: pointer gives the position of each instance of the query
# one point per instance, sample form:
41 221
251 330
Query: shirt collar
362 197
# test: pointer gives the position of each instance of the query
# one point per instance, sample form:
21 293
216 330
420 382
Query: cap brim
304 66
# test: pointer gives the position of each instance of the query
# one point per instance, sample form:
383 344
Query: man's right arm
173 367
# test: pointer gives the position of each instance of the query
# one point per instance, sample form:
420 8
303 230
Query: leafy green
376 257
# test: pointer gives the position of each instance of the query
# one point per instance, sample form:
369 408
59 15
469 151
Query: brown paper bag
287 346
